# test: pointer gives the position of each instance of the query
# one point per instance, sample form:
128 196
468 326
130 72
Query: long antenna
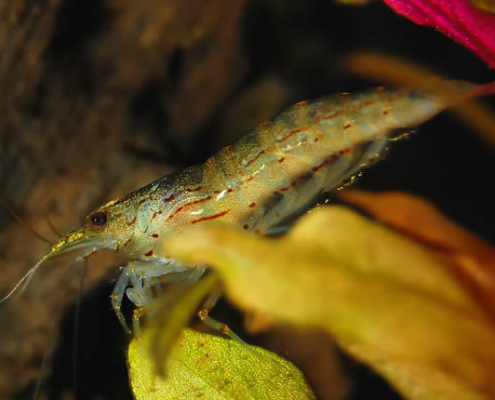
21 221
77 322
46 357
24 280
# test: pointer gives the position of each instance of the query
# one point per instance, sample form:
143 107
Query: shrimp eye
98 218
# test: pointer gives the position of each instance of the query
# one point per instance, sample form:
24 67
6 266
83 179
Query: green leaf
204 366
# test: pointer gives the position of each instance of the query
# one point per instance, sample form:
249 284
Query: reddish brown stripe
347 126
191 203
155 235
318 167
303 103
252 205
335 114
303 128
256 157
344 151
132 222
210 217
281 160
149 253
196 189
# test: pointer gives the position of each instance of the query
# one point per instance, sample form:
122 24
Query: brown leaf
473 260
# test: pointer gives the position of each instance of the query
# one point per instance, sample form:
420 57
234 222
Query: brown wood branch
80 83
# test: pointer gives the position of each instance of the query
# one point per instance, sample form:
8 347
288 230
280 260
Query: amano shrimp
267 177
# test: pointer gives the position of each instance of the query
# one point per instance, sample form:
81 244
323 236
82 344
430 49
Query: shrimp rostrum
267 177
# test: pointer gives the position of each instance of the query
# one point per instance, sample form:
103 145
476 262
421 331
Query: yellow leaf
388 300
204 366
473 260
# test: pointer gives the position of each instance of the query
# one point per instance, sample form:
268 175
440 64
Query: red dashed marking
331 116
155 235
196 189
347 126
252 205
245 226
304 128
320 166
132 222
191 203
149 253
256 157
303 103
210 217
281 160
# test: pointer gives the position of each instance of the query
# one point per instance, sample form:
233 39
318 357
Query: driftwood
86 88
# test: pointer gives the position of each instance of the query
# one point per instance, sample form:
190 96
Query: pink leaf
458 19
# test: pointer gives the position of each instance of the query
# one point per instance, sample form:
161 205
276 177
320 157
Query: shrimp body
268 176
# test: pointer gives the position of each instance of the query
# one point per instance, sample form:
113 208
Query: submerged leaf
460 20
387 299
473 260
203 366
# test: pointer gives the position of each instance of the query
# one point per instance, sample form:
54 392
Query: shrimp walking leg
139 294
203 314
118 295
139 275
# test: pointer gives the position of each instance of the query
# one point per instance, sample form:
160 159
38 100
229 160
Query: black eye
98 219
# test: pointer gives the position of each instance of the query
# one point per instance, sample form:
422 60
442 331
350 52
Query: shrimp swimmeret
269 175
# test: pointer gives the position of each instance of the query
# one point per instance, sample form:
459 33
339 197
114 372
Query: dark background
98 98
